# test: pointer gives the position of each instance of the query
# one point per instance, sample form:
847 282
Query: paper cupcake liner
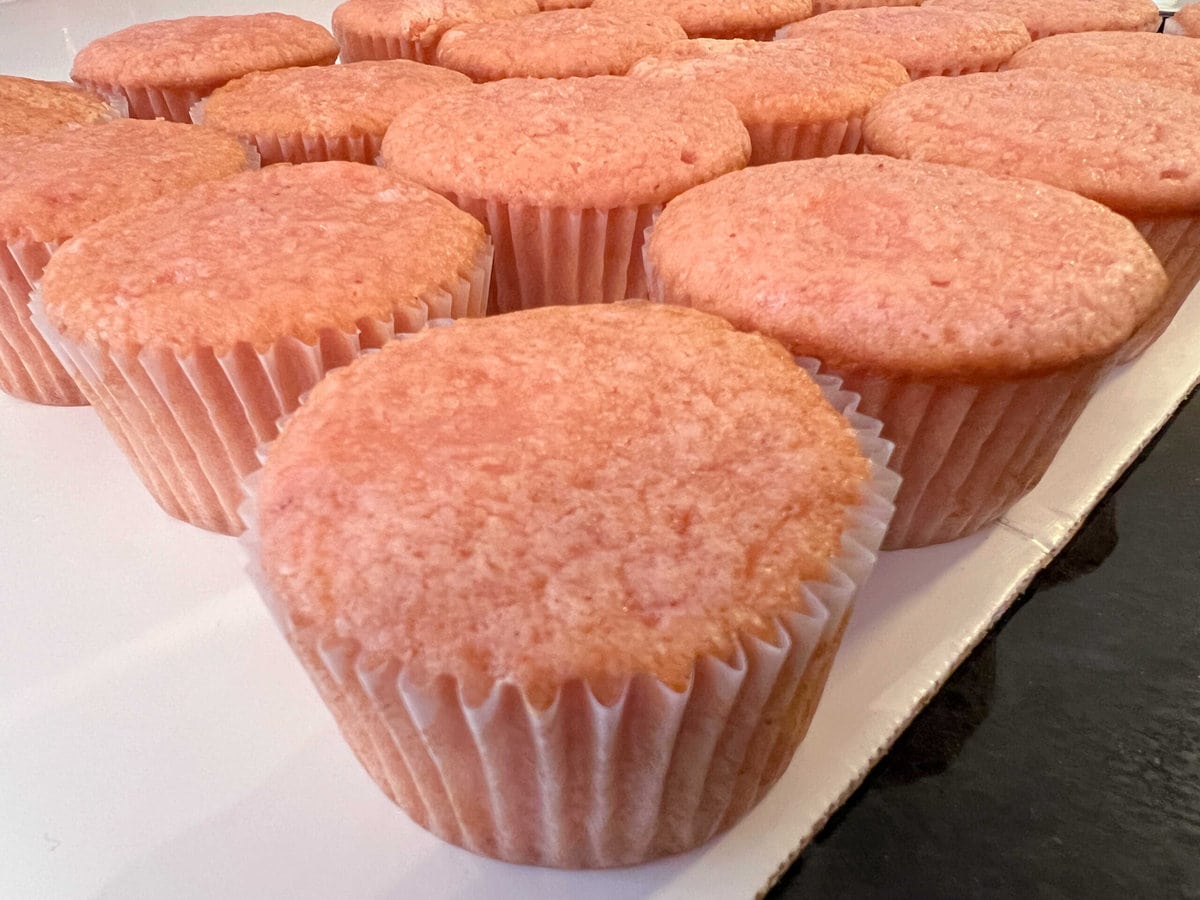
950 71
360 47
772 142
562 257
967 452
824 6
1176 242
191 423
299 148
149 103
28 367
591 783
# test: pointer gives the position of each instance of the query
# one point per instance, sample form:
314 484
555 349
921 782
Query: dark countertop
1063 758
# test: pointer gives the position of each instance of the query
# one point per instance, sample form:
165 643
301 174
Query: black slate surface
1062 760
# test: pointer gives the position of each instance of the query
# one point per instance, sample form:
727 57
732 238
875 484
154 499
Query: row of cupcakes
494 476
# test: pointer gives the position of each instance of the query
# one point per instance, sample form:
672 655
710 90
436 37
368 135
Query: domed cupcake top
28 106
589 492
904 268
720 18
1044 18
1172 62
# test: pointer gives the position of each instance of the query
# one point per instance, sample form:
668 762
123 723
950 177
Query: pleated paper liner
191 423
299 148
360 47
552 256
602 776
1176 242
824 6
772 142
950 71
28 367
149 103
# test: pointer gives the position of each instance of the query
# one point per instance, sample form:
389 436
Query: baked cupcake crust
202 52
561 44
1131 145
543 516
919 37
719 18
421 20
794 81
28 106
353 98
600 142
909 269
1044 18
218 266
1172 62
53 186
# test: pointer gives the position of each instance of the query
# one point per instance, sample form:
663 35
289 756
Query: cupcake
192 328
318 113
411 29
755 20
925 41
974 314
798 99
54 185
582 623
1142 55
1187 20
1043 18
160 69
1132 146
38 107
566 174
559 44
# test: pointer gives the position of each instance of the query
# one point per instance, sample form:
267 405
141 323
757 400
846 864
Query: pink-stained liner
299 148
784 142
552 256
585 783
1176 242
357 48
190 423
149 103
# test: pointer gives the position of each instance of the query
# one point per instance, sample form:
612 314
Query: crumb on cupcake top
285 251
919 37
28 106
52 186
600 142
1173 62
909 269
1046 17
202 52
421 21
1131 145
796 80
589 493
354 98
558 44
719 18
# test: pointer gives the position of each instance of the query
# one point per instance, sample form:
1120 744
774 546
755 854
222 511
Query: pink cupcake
1187 20
1171 62
925 41
579 623
28 106
755 20
566 174
975 315
1044 18
411 29
161 69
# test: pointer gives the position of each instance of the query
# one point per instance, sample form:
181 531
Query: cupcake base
1176 242
191 424
28 367
783 142
360 47
150 103
599 778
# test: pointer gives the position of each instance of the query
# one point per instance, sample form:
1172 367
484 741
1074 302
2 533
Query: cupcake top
421 20
1132 145
354 98
1173 62
720 18
1188 20
556 44
36 107
797 80
167 274
582 527
918 37
1046 17
909 269
54 185
602 142
202 52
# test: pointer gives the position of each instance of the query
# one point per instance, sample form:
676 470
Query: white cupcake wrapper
586 783
28 367
560 257
1176 242
824 6
360 47
297 148
950 71
772 142
191 423
149 103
